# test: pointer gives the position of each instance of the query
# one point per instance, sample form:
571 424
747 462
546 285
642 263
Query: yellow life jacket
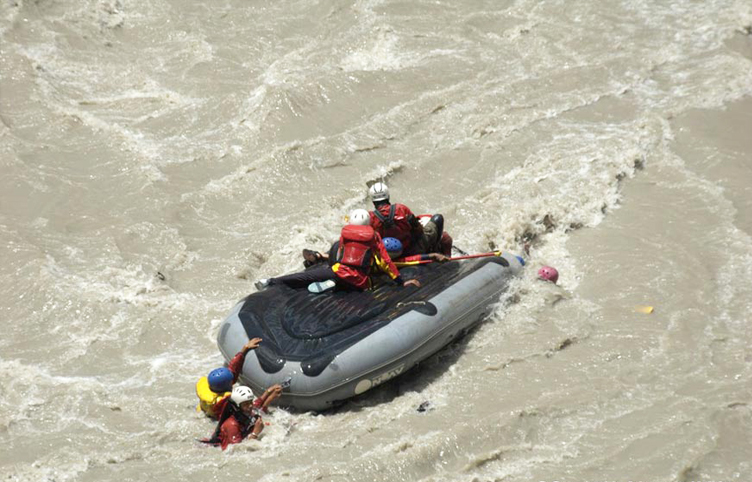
207 399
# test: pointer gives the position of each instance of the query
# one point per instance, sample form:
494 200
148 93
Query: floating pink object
548 273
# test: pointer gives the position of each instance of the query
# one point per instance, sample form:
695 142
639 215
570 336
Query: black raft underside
314 328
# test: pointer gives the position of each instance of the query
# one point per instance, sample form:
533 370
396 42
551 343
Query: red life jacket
355 248
394 221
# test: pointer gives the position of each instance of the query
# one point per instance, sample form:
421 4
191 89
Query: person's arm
268 397
438 257
252 344
386 264
422 257
258 426
236 364
389 266
412 282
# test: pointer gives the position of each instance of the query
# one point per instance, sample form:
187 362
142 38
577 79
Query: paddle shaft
456 258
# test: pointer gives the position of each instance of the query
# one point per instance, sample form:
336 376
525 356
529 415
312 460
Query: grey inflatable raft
332 346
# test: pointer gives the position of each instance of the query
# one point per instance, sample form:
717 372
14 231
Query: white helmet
241 394
359 217
379 192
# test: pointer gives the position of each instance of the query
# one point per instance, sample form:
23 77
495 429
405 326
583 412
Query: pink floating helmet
548 273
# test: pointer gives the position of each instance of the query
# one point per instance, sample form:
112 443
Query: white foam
498 91
382 53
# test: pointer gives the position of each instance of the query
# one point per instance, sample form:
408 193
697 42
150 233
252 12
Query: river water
158 157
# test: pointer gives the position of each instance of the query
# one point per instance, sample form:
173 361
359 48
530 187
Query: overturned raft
336 345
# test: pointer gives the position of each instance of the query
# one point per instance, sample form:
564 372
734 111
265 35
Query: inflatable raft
332 346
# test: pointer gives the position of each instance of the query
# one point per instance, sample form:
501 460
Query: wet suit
234 425
396 221
319 272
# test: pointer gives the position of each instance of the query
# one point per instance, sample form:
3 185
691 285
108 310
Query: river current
158 157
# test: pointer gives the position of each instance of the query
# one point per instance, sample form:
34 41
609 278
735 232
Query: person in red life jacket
393 248
358 250
393 220
241 416
398 221
360 247
213 390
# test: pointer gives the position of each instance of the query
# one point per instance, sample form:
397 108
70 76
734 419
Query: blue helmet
393 247
220 380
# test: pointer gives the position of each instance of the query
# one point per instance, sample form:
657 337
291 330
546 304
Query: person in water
548 273
360 248
213 390
241 416
398 221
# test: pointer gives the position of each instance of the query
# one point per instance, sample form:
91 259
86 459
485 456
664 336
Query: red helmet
548 273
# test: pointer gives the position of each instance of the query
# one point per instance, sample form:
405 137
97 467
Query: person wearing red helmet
548 273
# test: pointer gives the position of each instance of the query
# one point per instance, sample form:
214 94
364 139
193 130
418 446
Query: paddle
456 258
